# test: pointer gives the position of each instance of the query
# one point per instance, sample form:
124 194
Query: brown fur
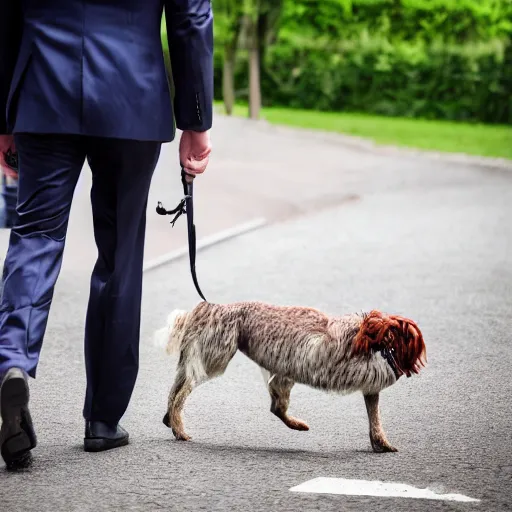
395 332
292 344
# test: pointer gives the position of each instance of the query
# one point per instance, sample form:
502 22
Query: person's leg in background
122 171
50 166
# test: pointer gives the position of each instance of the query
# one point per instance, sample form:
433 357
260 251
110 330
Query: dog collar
387 354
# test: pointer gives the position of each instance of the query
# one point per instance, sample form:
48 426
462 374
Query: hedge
435 59
471 82
453 21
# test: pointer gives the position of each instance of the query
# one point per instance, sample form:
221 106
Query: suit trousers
49 168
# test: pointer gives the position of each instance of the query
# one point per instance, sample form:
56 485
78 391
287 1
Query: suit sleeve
190 38
11 26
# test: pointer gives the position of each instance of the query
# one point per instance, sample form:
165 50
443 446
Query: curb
206 242
363 144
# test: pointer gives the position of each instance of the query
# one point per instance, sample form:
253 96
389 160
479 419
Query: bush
412 79
447 20
442 59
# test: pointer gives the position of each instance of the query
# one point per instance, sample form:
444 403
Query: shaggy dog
365 352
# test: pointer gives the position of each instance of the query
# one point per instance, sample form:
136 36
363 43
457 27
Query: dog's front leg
378 438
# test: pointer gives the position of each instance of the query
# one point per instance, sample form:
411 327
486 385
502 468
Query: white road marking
205 242
374 488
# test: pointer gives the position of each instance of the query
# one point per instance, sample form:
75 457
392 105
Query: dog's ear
410 351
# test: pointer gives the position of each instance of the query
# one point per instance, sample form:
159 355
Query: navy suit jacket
96 67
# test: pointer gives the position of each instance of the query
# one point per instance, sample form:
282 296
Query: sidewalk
257 171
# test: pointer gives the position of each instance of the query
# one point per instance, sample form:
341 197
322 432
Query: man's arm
190 37
11 27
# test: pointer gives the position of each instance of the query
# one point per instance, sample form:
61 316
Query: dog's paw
382 446
296 424
181 436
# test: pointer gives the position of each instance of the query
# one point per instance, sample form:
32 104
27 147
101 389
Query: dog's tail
170 336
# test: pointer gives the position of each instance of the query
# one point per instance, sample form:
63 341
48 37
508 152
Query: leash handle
184 181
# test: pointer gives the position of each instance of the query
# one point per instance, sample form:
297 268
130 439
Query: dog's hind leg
380 444
279 389
181 389
195 367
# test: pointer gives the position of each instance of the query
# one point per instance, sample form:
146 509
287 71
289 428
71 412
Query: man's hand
6 144
195 149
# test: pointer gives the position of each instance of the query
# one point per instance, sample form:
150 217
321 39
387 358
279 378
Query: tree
261 24
228 23
251 24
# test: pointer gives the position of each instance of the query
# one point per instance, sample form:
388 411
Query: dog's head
399 335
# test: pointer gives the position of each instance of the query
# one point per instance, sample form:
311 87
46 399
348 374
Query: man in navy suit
86 79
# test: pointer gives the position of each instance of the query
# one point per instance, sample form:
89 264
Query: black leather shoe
17 436
100 436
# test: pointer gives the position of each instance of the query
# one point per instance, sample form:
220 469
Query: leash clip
177 212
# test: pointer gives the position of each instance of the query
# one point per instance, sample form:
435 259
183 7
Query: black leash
388 355
186 206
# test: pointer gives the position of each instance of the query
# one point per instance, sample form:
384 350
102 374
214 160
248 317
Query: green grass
443 136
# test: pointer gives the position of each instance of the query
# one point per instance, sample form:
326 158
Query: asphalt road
428 240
